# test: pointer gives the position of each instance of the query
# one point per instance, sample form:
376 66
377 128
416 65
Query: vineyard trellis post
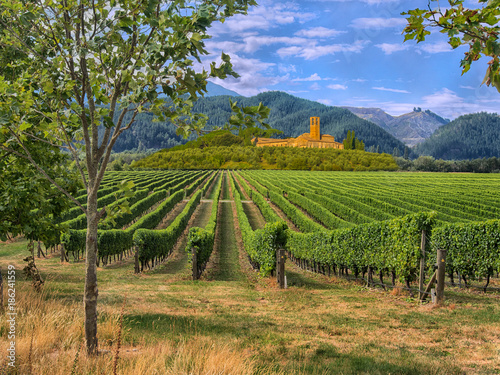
194 263
440 275
136 261
422 267
1 292
63 253
280 267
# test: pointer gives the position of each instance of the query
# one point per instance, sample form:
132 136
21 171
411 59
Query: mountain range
411 128
378 130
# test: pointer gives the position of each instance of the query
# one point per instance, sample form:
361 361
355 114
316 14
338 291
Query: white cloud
314 77
391 90
436 47
284 69
312 52
263 17
337 87
325 101
253 43
226 46
255 76
369 2
378 23
319 32
315 86
359 80
378 2
390 48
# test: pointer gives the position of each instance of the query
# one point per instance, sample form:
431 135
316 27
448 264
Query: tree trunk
91 292
1 292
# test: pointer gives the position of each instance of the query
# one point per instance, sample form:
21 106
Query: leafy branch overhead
476 28
250 121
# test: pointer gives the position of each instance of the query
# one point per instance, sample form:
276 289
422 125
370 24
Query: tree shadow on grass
300 280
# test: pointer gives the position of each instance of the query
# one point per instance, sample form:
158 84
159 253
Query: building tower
315 133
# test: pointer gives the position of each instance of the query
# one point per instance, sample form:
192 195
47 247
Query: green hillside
288 113
251 157
291 115
467 137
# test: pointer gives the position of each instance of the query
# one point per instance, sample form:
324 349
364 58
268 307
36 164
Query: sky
349 53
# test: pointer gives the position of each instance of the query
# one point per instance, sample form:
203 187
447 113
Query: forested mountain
291 115
411 128
467 137
288 113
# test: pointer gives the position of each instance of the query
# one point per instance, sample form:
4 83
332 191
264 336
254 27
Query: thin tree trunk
1 292
91 291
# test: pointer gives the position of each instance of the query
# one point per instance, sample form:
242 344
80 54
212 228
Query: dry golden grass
51 333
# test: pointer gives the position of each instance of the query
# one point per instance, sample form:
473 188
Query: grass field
233 321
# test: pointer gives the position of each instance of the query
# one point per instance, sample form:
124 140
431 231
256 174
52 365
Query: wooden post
195 263
63 255
1 292
421 293
429 286
136 261
441 273
280 267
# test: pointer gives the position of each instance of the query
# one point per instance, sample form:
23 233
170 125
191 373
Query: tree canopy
476 28
74 66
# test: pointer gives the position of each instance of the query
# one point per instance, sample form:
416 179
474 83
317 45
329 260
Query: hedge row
319 212
194 186
257 185
261 245
473 249
183 180
136 210
202 239
157 244
260 202
80 221
115 241
304 223
337 203
392 245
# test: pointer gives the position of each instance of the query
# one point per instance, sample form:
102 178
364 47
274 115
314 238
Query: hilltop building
313 139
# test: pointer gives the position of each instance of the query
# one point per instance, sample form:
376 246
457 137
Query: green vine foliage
392 245
112 242
261 244
154 244
202 239
473 249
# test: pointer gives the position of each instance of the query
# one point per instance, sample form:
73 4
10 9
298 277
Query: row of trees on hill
238 157
350 142
430 164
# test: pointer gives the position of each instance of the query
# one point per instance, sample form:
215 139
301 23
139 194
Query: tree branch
41 170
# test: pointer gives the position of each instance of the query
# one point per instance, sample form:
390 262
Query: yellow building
313 139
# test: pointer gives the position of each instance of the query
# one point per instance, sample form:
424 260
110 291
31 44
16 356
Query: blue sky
349 53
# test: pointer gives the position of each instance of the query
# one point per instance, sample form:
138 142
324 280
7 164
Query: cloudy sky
349 53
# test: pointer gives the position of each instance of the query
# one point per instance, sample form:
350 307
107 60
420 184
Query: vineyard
330 222
341 232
